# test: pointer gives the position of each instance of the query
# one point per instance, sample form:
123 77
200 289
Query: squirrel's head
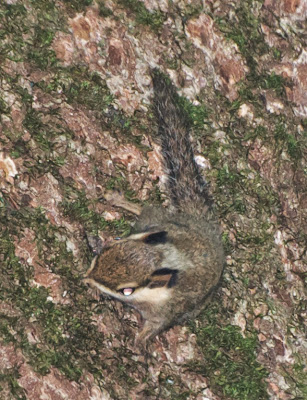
134 269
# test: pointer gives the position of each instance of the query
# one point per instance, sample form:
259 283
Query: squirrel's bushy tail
188 190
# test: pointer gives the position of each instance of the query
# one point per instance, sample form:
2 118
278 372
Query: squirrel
169 266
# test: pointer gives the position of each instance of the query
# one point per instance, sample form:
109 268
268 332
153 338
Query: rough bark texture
76 119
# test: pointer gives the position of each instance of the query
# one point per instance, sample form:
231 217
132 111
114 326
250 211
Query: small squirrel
168 268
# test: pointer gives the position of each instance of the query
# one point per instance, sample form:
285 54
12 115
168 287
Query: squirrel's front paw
149 331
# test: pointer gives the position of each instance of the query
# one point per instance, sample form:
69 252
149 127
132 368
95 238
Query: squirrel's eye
127 291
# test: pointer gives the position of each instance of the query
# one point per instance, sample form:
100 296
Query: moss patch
153 19
64 330
229 359
82 210
74 6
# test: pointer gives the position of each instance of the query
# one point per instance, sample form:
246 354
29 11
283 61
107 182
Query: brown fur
175 258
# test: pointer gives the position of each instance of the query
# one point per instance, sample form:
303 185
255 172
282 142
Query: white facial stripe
131 285
138 236
156 295
91 267
103 288
153 296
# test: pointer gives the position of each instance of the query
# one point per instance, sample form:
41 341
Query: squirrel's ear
163 277
151 237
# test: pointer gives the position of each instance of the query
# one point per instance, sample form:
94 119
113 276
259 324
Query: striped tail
187 188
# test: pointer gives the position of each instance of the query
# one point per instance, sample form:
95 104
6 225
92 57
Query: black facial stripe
172 282
164 271
156 238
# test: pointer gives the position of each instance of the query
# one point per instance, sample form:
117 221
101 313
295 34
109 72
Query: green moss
38 27
299 377
293 147
81 87
273 81
67 335
81 209
251 239
13 11
9 379
39 52
233 180
153 19
38 130
286 140
277 54
104 11
48 137
68 338
196 115
245 32
78 210
229 359
212 151
77 5
226 177
171 386
12 18
192 10
85 88
4 109
172 63
121 184
259 132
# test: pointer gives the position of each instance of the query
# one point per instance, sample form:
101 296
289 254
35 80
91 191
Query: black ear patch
163 277
156 238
